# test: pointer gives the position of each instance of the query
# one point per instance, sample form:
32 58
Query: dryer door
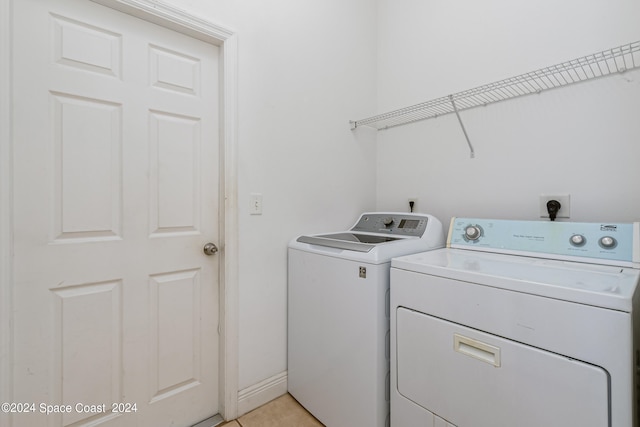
474 379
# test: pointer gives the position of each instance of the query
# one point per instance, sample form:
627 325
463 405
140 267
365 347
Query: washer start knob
608 242
472 232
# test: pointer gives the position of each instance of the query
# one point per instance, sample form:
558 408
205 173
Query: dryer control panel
604 243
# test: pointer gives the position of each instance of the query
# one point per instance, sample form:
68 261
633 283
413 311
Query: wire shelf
614 60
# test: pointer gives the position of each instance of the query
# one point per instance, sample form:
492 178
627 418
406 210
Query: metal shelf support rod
455 109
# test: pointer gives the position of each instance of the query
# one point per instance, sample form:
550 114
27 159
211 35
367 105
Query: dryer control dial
472 232
387 221
608 242
578 240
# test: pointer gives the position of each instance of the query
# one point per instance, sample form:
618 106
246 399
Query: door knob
210 249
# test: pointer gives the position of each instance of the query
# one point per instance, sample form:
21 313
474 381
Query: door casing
169 17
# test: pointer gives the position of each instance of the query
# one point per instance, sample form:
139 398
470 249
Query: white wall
305 68
582 140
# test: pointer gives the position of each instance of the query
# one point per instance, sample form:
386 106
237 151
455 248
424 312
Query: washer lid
596 285
350 241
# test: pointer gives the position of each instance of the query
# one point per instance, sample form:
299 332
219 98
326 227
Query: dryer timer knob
472 232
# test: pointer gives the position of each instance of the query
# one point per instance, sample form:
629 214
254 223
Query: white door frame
169 17
6 242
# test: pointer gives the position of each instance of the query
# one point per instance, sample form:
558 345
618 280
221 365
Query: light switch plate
255 204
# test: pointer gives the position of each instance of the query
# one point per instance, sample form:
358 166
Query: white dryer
338 315
518 323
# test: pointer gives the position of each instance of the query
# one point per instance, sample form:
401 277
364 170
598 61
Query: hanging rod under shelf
610 61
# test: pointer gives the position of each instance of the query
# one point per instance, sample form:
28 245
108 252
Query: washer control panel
602 241
402 224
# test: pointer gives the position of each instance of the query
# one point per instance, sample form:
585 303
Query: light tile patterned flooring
281 412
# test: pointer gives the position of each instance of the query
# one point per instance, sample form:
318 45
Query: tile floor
281 412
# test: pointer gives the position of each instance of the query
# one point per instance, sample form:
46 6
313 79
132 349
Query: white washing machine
338 315
518 323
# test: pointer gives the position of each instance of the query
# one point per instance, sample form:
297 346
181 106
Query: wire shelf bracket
472 153
607 62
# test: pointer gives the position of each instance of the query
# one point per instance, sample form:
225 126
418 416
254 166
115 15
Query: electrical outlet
415 204
565 205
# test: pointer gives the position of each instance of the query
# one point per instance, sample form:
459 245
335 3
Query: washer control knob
578 240
387 221
472 232
608 242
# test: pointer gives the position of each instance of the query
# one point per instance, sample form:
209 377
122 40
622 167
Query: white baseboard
258 394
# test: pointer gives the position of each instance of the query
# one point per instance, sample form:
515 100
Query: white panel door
116 193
